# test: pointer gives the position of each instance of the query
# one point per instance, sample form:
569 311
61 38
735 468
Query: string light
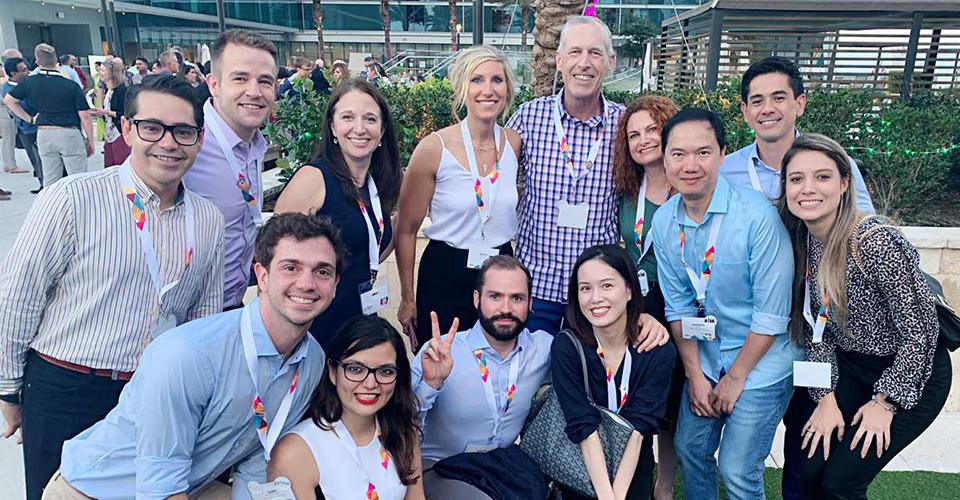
906 151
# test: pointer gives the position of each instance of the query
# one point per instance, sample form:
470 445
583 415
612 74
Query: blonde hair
832 275
116 69
466 63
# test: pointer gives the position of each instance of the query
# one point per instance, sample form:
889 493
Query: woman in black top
861 310
355 181
115 149
604 301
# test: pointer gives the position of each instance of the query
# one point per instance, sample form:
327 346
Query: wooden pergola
889 45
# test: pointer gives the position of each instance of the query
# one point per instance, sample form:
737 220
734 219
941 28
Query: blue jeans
547 316
747 436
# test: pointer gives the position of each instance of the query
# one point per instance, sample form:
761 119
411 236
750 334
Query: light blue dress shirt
457 415
750 284
736 170
186 415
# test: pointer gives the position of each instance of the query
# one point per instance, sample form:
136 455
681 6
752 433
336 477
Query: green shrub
905 149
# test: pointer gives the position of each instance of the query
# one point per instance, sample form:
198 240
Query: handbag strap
583 363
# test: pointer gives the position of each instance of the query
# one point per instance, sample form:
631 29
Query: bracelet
886 406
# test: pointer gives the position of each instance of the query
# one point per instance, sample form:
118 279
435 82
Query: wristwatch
13 399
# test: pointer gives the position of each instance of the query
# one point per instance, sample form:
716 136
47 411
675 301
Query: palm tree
318 20
385 16
526 7
453 25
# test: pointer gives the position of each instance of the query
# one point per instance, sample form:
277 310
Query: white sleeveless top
453 210
346 471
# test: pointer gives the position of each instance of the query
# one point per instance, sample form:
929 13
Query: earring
379 144
335 141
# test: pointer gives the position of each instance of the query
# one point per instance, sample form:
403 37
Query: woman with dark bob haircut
361 439
355 181
603 305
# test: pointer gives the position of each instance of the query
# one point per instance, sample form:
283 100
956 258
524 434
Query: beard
503 334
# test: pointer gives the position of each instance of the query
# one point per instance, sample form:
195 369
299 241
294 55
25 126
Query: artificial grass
887 486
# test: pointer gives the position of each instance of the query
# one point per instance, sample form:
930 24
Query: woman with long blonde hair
465 175
115 149
864 316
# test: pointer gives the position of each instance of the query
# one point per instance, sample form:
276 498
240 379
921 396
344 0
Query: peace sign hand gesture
437 360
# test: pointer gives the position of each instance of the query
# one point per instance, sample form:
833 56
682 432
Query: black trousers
58 404
641 488
29 142
798 413
445 285
846 475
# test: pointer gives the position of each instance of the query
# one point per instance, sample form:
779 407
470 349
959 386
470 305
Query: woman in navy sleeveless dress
355 181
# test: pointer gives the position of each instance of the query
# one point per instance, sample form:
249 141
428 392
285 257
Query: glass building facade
349 25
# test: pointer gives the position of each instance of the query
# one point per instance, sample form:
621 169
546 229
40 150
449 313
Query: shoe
36 191
16 170
4 197
4 192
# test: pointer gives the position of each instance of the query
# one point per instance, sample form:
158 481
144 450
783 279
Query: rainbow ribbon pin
259 416
363 209
372 492
565 149
604 360
478 190
244 186
638 232
137 211
510 391
708 263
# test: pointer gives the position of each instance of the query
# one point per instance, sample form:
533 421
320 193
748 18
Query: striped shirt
549 251
77 287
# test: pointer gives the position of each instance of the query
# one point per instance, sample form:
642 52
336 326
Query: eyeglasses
153 131
358 372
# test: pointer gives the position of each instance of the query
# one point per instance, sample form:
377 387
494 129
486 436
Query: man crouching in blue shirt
217 392
725 266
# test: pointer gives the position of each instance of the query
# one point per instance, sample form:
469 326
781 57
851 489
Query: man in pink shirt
227 170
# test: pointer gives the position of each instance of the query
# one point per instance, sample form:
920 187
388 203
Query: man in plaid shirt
568 202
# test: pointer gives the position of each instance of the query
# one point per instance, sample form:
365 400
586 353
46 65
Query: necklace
487 147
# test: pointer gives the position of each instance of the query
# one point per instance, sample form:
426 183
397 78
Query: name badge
164 322
644 282
477 255
374 298
479 447
573 215
699 328
278 489
811 374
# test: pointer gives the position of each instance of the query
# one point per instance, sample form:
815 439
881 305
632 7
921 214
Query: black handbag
949 322
544 440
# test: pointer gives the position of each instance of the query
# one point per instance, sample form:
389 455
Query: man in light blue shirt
772 98
188 413
475 387
726 268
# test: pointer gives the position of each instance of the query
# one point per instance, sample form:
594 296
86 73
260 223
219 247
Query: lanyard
146 236
488 387
242 182
700 281
565 150
644 246
484 208
346 439
373 238
819 323
754 178
614 404
268 434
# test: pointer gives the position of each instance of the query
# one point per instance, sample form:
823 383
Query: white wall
78 32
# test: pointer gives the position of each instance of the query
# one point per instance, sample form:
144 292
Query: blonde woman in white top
465 175
361 439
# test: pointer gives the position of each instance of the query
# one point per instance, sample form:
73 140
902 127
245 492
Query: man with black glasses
104 263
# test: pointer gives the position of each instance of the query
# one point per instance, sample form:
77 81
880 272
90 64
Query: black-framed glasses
153 131
358 372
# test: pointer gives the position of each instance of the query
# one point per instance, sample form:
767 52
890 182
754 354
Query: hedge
905 149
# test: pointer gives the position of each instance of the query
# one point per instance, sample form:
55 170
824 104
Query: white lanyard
643 245
566 151
819 323
613 403
346 439
488 387
700 280
484 207
267 433
372 239
754 177
241 180
146 237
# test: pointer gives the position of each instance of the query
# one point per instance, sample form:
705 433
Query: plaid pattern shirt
549 251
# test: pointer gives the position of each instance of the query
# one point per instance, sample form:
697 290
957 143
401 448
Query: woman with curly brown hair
640 181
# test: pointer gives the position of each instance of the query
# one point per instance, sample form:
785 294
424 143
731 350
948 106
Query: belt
66 365
57 127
